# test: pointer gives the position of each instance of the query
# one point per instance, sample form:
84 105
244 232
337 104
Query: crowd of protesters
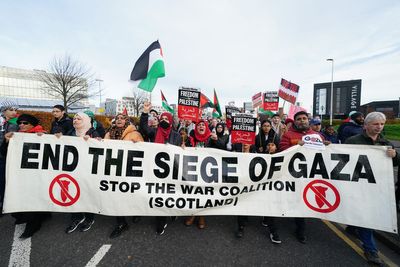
275 134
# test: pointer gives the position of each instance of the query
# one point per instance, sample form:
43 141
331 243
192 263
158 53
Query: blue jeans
367 238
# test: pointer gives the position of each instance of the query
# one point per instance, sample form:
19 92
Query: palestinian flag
265 112
165 104
205 102
149 67
217 113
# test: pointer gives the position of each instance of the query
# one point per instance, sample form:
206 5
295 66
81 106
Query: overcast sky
237 47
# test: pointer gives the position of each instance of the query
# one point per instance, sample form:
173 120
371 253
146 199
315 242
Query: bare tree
138 99
67 79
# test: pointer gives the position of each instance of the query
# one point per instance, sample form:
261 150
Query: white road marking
98 256
21 249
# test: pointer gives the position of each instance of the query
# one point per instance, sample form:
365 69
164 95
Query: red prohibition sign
64 190
320 196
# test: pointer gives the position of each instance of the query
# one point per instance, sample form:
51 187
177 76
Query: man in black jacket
373 126
62 123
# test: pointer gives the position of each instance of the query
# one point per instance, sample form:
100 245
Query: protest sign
271 100
257 100
243 128
188 104
229 110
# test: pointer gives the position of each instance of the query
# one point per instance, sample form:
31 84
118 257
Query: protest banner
188 104
271 100
349 184
243 128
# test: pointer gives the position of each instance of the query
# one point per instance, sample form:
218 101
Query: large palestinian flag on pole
217 113
165 104
149 67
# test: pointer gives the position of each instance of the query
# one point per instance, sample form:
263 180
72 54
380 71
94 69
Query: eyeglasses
23 122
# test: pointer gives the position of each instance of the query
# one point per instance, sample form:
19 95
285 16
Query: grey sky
236 47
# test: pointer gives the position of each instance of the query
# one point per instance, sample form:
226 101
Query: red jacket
293 136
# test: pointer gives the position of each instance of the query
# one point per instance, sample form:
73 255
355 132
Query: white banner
350 184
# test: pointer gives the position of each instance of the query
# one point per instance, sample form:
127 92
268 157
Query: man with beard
351 128
292 137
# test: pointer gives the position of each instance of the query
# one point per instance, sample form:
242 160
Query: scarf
86 124
115 131
162 134
36 129
201 137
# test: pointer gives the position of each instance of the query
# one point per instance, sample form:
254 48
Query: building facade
23 87
346 98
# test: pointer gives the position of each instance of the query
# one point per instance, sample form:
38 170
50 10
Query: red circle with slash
320 196
66 199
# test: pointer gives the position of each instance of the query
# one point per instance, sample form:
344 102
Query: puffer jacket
293 136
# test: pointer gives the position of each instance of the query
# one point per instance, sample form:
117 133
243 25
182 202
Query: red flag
205 102
125 111
288 91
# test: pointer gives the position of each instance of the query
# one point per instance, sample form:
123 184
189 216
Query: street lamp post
100 81
331 105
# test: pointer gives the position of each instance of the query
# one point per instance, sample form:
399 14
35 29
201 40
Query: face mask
164 124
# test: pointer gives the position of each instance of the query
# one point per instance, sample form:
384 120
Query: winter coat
262 142
91 133
349 129
8 126
129 134
64 125
173 139
220 143
364 139
293 136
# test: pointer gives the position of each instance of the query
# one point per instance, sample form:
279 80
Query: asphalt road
182 246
